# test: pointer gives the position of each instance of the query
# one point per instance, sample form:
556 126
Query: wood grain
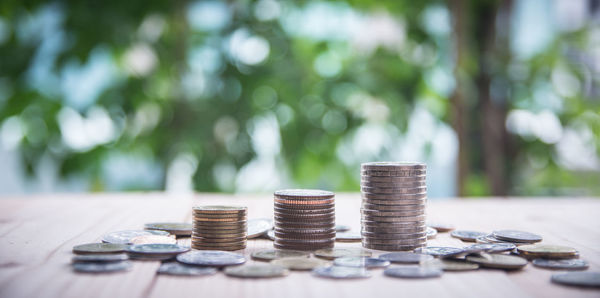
38 233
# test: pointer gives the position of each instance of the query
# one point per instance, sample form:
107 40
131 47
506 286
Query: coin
469 236
303 193
302 231
95 267
547 251
394 184
173 228
99 248
579 279
214 247
398 236
302 236
333 253
367 212
299 263
490 247
415 218
498 261
368 206
227 236
361 262
394 201
271 234
517 236
338 272
157 249
441 251
257 271
431 233
393 230
303 246
99 258
571 264
305 243
329 224
398 173
274 254
124 237
399 190
391 247
301 203
174 268
149 239
451 265
392 165
400 180
209 220
304 217
211 258
413 272
220 209
441 227
405 257
347 237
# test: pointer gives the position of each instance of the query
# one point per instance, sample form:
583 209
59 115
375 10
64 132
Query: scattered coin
580 279
174 268
517 236
413 272
362 262
99 248
405 257
441 227
441 252
100 258
431 233
173 228
258 227
498 261
333 253
342 228
348 237
155 251
570 264
212 258
256 271
547 251
469 236
490 247
392 247
451 264
300 263
338 272
274 254
153 239
124 237
103 267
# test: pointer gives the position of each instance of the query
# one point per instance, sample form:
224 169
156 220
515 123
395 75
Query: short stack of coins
304 219
393 205
219 227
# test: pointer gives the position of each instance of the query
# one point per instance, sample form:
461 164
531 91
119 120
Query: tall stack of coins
219 227
393 205
304 219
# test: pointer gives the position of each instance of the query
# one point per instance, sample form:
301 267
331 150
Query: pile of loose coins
219 228
393 205
304 219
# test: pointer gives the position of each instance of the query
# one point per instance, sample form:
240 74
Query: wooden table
37 234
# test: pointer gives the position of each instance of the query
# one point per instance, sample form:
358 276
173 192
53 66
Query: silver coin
157 248
388 208
212 258
441 251
392 225
451 265
431 233
413 272
258 227
405 257
100 258
175 228
490 247
399 180
393 165
392 247
363 262
274 254
91 267
579 279
570 264
300 263
395 201
338 272
441 227
465 235
124 237
257 271
368 212
517 236
395 241
304 193
99 248
395 236
393 230
409 199
271 235
348 237
396 191
174 268
415 218
498 261
398 173
333 253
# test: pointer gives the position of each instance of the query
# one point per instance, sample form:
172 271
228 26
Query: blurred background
497 97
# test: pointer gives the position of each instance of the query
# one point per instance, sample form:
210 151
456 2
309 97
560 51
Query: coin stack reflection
304 219
219 228
393 205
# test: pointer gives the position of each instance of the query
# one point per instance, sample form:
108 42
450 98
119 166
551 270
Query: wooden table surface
38 233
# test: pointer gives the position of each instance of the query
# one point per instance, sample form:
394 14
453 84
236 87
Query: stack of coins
219 228
393 205
304 219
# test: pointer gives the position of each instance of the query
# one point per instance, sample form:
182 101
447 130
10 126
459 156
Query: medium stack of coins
304 219
219 227
393 205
